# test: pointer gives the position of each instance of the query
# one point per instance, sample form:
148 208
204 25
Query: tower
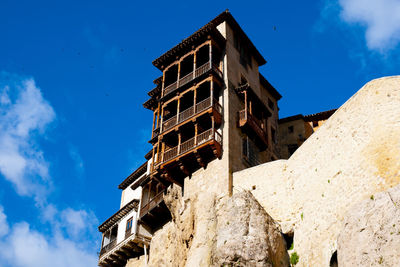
213 114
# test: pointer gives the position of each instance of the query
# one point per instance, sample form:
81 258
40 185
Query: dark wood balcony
203 69
117 254
180 161
155 213
203 106
249 122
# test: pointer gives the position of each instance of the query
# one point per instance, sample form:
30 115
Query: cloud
24 115
20 245
3 223
76 157
379 18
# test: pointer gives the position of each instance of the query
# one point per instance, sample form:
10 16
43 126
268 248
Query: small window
291 129
315 123
129 225
271 104
273 135
292 148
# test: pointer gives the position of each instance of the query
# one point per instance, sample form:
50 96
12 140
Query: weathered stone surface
247 235
371 232
136 262
354 155
205 230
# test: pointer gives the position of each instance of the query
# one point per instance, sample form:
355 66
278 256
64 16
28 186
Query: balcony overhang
133 176
253 96
118 215
119 254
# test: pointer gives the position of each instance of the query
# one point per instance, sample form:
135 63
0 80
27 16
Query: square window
291 129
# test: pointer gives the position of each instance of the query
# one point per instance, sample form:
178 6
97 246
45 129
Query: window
245 57
250 152
315 123
273 135
271 104
292 148
291 129
129 224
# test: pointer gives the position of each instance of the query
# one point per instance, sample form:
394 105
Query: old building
214 113
294 130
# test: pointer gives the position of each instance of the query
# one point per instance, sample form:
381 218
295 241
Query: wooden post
250 107
212 91
212 123
194 99
153 161
177 110
162 151
179 74
161 119
195 133
245 104
210 54
194 64
158 149
154 120
179 142
162 83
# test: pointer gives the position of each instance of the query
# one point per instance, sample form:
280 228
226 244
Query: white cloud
24 114
380 18
3 223
76 157
23 246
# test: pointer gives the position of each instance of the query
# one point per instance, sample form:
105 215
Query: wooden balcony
155 213
116 255
203 106
182 160
248 121
205 68
154 202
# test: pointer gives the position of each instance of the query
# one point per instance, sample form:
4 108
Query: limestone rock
354 155
207 230
247 235
136 262
371 232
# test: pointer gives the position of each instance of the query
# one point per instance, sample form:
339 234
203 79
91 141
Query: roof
133 176
209 29
270 88
151 104
324 115
291 118
149 154
118 215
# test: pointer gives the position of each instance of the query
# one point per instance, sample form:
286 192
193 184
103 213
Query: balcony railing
192 143
191 76
190 112
152 204
108 247
246 118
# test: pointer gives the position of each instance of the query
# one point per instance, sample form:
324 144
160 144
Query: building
294 130
123 237
214 113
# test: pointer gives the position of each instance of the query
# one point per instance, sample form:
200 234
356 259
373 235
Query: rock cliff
354 155
331 195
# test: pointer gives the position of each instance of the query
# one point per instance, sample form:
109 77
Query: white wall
128 195
122 225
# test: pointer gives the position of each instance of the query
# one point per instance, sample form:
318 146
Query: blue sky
74 75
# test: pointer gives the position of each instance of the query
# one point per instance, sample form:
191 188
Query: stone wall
354 155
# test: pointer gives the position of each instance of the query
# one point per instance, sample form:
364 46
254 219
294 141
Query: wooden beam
199 158
183 168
